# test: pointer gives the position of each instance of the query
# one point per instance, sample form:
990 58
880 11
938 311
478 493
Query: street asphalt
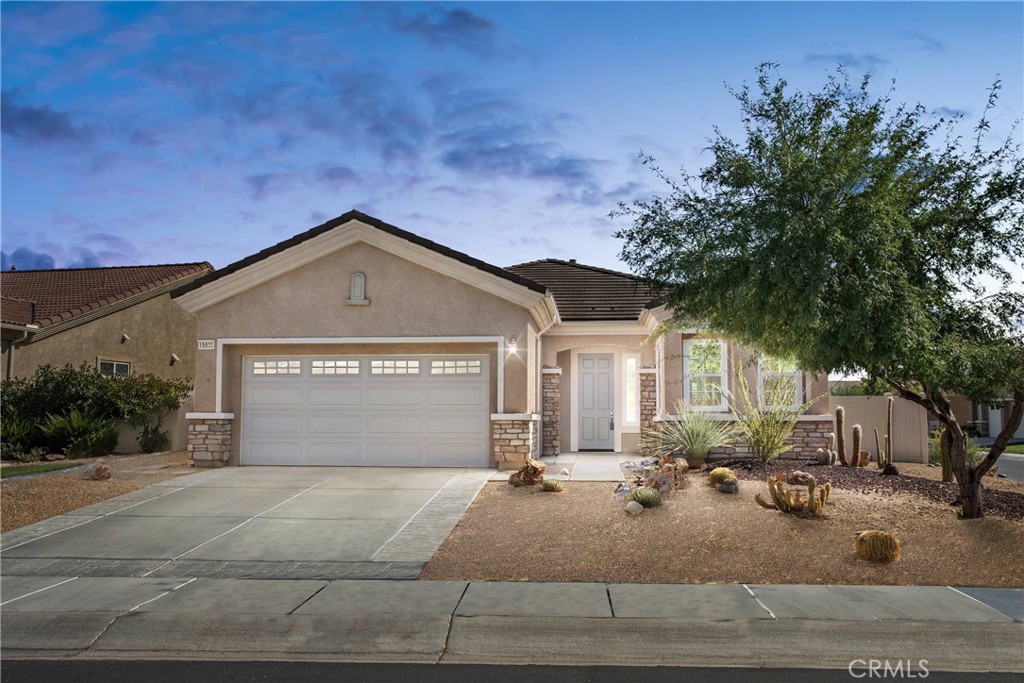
255 564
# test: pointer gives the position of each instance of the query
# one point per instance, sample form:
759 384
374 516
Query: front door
597 415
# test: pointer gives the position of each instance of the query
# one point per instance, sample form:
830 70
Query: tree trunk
947 464
967 477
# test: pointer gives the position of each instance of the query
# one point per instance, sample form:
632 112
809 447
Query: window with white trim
277 367
455 366
704 374
394 367
631 389
782 376
115 368
334 367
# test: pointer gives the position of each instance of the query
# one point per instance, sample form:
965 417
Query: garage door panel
394 424
394 396
454 424
454 454
274 424
457 396
425 418
269 395
335 424
324 395
334 453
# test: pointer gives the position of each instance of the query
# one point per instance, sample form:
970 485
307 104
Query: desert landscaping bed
702 536
30 500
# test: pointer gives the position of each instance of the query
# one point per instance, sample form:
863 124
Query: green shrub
649 498
767 424
140 400
692 434
16 437
153 439
552 486
720 475
80 435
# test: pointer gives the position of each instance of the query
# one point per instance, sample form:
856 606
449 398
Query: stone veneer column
514 438
551 390
648 398
209 440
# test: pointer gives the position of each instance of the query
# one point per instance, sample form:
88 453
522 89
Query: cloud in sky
868 62
38 123
446 27
24 258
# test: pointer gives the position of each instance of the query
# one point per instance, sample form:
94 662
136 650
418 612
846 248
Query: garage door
408 411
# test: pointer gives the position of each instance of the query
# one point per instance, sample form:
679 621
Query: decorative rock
50 457
729 486
98 471
622 492
530 474
1001 475
890 471
565 471
634 508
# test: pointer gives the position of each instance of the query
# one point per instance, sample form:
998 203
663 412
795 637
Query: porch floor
582 466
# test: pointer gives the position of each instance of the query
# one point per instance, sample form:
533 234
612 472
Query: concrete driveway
256 522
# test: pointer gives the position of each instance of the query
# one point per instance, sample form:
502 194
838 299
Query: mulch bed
1001 503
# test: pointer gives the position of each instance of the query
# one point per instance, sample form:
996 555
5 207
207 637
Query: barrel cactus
552 486
649 498
876 546
720 474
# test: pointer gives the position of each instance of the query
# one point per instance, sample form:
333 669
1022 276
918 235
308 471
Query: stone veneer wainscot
514 438
209 438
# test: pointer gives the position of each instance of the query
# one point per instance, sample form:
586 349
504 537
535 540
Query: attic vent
602 308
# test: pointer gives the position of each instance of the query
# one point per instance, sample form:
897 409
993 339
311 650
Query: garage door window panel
394 367
334 367
277 367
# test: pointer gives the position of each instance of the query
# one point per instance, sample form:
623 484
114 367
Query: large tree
855 235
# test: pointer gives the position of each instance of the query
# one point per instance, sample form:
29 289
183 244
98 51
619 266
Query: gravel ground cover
702 536
33 499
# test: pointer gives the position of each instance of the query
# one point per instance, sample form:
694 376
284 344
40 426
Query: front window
704 374
115 368
782 379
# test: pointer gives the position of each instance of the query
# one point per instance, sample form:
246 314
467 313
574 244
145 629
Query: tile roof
587 292
367 220
48 297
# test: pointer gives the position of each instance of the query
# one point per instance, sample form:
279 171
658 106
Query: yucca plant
692 434
768 423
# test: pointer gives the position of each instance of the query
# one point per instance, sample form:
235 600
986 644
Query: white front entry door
407 411
596 402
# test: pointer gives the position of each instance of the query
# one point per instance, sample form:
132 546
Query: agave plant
690 434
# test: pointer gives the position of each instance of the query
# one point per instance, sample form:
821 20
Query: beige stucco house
119 320
359 343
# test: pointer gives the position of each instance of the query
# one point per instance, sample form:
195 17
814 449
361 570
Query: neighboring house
358 343
118 320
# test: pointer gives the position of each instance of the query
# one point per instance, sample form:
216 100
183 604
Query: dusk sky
172 132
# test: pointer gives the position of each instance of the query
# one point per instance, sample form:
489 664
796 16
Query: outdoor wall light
512 347
124 338
175 358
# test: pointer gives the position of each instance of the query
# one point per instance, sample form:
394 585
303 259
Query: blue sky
172 132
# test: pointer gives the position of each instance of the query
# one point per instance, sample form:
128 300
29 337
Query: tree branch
1016 413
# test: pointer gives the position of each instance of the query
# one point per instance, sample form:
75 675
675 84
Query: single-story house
119 320
360 343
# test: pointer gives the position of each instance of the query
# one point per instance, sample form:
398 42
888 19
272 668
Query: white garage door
405 411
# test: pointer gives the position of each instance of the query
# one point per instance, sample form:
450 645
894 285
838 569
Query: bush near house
74 410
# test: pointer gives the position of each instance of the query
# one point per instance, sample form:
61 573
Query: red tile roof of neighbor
48 297
587 292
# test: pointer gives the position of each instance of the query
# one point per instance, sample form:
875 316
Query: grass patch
18 470
1017 448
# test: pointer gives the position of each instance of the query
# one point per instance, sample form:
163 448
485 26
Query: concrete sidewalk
425 621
